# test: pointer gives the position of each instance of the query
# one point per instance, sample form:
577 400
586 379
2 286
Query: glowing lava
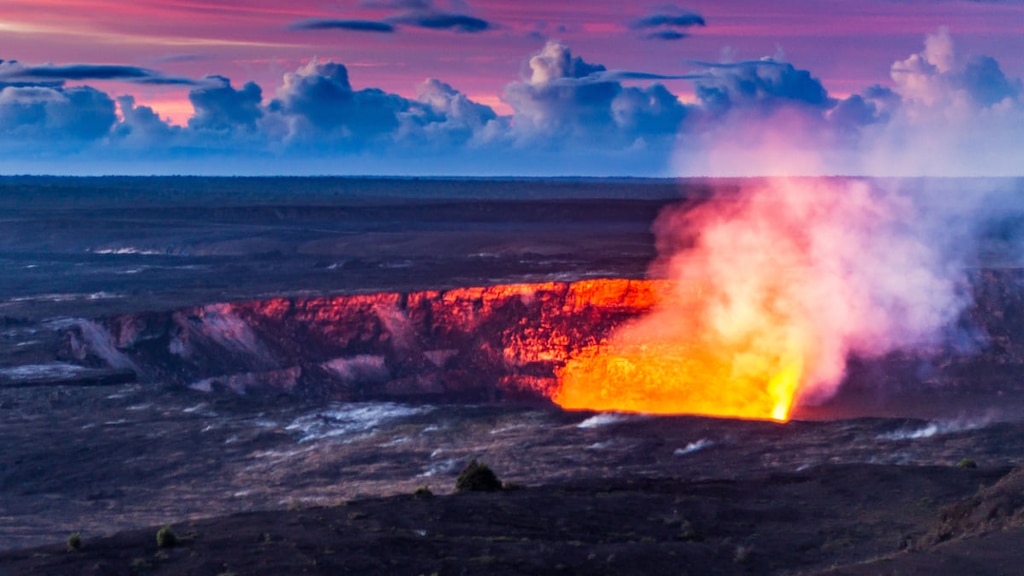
730 338
755 313
772 288
689 370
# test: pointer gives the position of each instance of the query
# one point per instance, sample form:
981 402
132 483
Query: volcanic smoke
770 291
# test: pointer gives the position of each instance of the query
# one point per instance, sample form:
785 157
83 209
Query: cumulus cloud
219 106
855 112
762 86
935 77
316 112
555 61
954 115
568 97
141 126
755 118
986 83
47 115
317 103
446 116
942 114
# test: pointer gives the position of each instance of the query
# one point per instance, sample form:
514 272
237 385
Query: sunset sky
495 87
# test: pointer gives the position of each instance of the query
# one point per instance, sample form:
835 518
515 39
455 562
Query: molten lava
773 288
770 291
686 369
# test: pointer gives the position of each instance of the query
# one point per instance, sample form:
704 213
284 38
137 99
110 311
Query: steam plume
773 288
834 266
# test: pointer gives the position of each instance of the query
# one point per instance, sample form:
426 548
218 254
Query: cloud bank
943 114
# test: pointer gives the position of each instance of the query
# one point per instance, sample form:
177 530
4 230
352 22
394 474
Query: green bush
75 542
477 477
423 492
967 464
166 538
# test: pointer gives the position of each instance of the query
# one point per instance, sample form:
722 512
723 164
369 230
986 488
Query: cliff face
471 343
478 344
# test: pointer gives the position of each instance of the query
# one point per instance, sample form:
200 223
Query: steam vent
469 344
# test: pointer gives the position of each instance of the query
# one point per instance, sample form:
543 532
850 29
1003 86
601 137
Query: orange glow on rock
590 345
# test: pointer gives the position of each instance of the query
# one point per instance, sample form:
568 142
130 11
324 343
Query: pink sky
847 44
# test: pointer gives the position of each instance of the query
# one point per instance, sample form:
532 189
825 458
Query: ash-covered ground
104 459
99 449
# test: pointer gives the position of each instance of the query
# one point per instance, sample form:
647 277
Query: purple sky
490 102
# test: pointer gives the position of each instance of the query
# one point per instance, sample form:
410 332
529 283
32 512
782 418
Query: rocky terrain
332 485
791 523
483 344
275 368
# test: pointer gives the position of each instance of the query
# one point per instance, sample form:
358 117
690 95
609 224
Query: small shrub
166 538
75 542
423 492
967 464
477 477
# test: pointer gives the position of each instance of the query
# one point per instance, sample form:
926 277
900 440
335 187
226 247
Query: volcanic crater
287 434
500 343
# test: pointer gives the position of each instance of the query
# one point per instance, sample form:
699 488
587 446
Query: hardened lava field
309 361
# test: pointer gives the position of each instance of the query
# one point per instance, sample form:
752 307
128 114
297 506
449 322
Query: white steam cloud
820 269
944 115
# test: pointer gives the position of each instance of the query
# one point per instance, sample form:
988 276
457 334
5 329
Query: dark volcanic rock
977 365
469 344
82 377
776 524
997 507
